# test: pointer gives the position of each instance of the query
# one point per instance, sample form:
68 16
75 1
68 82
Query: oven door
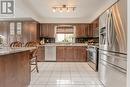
92 55
92 58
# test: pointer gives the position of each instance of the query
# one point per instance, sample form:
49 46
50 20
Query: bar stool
16 44
33 54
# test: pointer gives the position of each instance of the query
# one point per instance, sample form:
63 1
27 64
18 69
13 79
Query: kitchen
96 49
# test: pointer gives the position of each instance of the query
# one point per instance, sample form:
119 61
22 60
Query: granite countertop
9 50
65 44
97 46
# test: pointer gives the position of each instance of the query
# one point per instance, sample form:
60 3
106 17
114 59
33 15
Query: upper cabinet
22 31
4 29
84 30
47 30
96 24
29 31
95 28
80 30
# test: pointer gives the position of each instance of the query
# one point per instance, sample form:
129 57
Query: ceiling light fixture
63 8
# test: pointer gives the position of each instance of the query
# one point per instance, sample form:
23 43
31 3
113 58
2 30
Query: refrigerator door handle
108 26
110 55
112 66
112 32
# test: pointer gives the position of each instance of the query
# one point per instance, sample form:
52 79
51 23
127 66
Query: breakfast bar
15 67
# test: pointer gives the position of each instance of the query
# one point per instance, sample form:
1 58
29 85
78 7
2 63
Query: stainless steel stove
92 52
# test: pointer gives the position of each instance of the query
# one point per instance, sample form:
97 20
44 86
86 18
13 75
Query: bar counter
15 67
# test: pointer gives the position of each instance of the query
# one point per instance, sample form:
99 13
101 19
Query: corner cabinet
47 30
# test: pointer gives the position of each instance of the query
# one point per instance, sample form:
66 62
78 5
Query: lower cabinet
60 54
41 54
71 54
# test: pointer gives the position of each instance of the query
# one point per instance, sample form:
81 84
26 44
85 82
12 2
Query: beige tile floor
65 74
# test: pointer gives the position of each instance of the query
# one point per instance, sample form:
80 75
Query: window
65 34
65 38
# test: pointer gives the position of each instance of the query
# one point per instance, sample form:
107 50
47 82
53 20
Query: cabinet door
81 30
26 32
47 30
83 54
76 54
90 30
43 30
96 28
60 54
29 31
78 30
80 54
69 52
33 30
41 54
4 30
51 30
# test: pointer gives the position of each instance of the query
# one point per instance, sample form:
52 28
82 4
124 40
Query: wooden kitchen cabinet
80 30
80 54
47 30
84 30
90 30
51 30
43 30
71 54
4 31
29 31
96 28
77 54
60 54
96 23
41 54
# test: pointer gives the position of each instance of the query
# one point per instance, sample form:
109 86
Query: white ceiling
85 9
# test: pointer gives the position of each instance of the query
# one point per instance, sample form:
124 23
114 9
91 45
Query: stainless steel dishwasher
50 53
92 52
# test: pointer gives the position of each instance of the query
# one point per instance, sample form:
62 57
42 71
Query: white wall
102 9
23 10
128 23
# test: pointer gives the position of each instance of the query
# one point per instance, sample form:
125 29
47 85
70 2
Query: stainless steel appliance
50 53
92 52
112 69
112 48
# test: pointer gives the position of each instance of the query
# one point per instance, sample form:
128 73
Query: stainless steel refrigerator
113 46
